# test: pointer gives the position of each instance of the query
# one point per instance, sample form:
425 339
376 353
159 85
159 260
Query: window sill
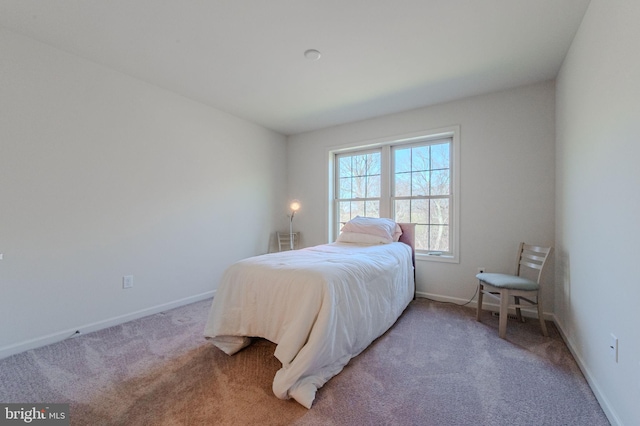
437 258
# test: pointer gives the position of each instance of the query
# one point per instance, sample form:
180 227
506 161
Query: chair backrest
284 240
532 258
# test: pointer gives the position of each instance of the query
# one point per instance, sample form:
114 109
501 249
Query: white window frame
386 201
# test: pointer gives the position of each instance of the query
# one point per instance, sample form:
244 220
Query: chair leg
518 312
504 312
479 306
543 325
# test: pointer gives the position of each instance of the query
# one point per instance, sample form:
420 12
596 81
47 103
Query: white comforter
321 305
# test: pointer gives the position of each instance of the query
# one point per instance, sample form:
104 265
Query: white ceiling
246 56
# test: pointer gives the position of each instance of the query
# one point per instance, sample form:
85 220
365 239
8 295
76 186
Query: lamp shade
294 206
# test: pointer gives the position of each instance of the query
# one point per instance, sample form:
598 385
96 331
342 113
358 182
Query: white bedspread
321 305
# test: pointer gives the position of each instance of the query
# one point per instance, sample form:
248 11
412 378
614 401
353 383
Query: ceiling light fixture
312 54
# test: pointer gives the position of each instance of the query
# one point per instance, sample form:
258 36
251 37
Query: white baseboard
602 399
487 306
441 298
593 384
95 326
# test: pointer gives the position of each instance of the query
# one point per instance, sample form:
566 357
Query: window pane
402 210
344 166
344 211
359 165
359 175
402 185
345 188
372 209
422 237
347 210
373 164
358 189
419 184
402 160
357 208
373 186
440 156
439 238
420 158
420 211
440 182
439 211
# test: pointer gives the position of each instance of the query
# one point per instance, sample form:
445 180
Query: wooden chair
284 240
522 286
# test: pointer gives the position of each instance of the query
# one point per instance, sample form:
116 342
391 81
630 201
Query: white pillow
359 238
397 233
381 227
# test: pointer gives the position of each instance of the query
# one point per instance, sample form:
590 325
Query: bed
321 305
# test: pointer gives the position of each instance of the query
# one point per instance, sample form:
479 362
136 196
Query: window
410 180
358 185
422 192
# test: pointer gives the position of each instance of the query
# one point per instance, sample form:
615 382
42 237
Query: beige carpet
436 366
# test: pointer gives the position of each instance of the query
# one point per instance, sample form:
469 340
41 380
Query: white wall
598 204
101 176
507 180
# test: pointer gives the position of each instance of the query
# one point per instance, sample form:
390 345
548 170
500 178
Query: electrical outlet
481 269
127 281
613 347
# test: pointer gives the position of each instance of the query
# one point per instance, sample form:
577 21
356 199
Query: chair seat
511 282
